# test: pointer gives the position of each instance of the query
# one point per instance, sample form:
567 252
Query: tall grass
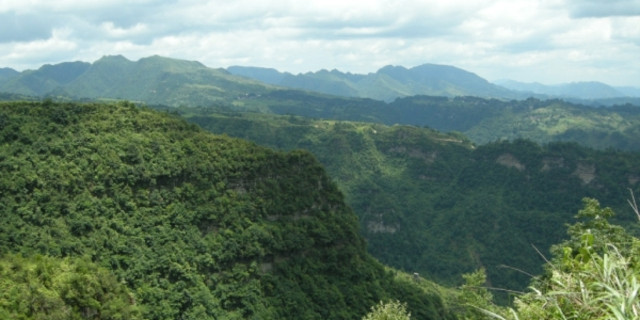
587 282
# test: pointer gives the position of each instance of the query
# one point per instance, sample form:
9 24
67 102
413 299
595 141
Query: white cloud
23 55
626 29
112 31
533 40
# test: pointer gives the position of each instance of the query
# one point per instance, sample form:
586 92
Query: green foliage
196 226
592 234
392 310
421 194
603 287
543 121
594 275
41 287
481 120
473 298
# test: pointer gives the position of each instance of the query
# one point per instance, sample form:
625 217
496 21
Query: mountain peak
65 72
112 58
431 72
445 71
157 60
7 73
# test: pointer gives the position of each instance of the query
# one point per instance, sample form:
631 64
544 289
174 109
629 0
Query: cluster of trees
162 220
44 287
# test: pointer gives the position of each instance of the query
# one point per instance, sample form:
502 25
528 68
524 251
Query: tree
41 287
391 310
593 275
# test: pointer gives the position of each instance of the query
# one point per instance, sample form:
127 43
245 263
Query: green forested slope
196 226
432 203
482 120
543 121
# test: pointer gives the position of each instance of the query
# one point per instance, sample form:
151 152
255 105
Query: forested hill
174 82
433 203
482 120
154 80
122 212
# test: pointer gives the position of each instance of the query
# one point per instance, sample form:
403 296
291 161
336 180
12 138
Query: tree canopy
188 224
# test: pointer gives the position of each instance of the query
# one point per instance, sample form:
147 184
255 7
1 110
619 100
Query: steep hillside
431 203
196 226
386 84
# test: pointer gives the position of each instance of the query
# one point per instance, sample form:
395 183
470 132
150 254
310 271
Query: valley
425 199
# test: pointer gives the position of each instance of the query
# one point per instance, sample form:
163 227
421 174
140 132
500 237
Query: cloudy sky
549 41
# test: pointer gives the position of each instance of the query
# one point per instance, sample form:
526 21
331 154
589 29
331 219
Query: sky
546 41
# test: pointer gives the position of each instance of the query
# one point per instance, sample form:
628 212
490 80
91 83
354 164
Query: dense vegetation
593 275
160 219
482 120
41 287
433 203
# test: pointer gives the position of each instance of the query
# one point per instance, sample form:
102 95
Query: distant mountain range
386 84
155 80
173 82
582 90
392 82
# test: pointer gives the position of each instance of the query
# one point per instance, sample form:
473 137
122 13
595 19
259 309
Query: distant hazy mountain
580 90
7 73
173 82
629 91
155 80
266 75
386 84
44 80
